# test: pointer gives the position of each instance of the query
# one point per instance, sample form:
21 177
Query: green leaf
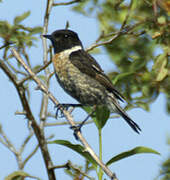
20 18
102 115
37 67
137 64
36 30
163 72
42 77
142 105
168 104
19 175
80 7
95 51
159 67
77 148
121 76
137 150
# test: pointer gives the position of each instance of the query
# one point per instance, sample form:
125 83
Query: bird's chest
79 85
61 65
67 74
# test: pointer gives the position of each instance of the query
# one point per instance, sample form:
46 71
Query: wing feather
88 65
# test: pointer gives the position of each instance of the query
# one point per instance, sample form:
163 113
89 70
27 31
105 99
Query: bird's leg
65 107
78 127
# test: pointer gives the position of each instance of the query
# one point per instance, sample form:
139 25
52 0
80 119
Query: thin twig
67 3
44 103
105 42
15 70
66 165
6 142
43 88
27 139
69 165
20 113
49 77
30 155
127 16
6 44
36 72
66 123
125 30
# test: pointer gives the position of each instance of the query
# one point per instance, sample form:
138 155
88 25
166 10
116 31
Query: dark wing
88 65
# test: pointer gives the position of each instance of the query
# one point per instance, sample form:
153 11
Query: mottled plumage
82 77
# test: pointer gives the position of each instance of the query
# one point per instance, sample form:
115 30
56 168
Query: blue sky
117 136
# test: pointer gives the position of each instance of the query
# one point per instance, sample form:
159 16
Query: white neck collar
73 49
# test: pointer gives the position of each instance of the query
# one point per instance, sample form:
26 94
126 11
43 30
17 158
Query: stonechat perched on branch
81 76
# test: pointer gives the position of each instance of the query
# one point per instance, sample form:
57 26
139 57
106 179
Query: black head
63 39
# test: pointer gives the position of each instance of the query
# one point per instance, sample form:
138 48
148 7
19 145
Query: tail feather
131 123
121 112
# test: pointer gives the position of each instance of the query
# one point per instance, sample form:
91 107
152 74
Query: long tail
131 123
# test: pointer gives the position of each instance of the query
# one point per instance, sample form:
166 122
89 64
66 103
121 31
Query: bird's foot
77 128
61 107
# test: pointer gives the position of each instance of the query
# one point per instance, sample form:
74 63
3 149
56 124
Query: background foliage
141 73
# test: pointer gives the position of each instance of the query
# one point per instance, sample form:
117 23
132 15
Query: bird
80 75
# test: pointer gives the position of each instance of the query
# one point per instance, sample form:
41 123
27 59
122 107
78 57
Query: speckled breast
80 86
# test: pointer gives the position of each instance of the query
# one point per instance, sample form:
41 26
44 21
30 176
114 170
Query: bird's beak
47 36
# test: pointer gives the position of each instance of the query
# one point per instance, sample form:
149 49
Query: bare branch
25 142
69 165
36 72
65 123
67 3
6 142
7 44
124 31
15 70
127 15
44 104
30 155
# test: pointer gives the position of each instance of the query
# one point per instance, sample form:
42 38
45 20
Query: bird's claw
64 107
76 129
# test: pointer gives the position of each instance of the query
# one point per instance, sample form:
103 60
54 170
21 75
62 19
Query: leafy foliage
20 34
102 115
137 150
77 148
18 175
140 73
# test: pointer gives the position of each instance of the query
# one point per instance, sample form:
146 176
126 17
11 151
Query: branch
30 155
39 134
125 29
69 118
127 15
69 165
105 42
65 123
6 44
25 142
67 3
6 142
36 72
44 103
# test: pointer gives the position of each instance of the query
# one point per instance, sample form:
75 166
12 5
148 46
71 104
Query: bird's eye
66 36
